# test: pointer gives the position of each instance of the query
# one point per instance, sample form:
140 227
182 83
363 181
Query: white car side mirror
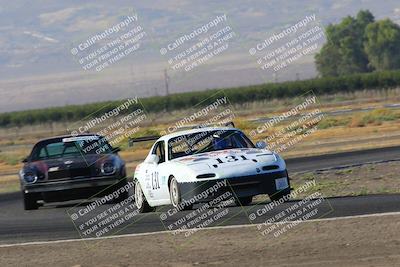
152 158
261 144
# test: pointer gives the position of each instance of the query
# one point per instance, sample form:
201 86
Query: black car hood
90 161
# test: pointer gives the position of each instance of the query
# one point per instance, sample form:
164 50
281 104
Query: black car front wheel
284 194
121 197
30 202
243 201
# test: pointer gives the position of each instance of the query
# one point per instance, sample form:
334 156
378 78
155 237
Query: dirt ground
368 241
378 178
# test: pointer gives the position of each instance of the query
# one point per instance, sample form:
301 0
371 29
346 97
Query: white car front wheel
175 196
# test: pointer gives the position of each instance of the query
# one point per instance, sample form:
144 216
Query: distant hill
38 70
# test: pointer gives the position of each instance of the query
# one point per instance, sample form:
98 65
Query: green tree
328 60
382 45
344 51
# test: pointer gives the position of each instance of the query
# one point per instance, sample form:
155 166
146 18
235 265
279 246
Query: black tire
30 202
175 196
122 197
243 201
278 195
140 199
116 187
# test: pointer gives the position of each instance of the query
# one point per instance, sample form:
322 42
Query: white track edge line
200 229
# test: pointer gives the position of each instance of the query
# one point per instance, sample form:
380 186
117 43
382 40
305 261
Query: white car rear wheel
140 199
174 192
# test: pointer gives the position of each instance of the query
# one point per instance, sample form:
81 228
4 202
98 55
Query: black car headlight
30 177
108 168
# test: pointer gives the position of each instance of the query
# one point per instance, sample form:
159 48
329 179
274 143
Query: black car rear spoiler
131 140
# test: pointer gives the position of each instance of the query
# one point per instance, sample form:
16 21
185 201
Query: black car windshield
73 146
207 141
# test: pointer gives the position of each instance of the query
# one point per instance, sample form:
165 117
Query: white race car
197 165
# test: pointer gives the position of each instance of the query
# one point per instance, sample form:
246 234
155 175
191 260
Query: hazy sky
38 67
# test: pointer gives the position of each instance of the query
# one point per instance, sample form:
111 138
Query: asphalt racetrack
52 222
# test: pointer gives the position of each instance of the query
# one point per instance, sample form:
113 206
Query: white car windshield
207 141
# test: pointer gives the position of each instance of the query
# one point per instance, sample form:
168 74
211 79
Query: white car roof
192 131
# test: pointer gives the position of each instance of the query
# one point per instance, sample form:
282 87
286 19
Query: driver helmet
220 143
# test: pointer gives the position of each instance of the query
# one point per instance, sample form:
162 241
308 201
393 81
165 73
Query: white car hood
210 157
231 162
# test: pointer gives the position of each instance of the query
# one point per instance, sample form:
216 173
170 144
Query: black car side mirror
25 160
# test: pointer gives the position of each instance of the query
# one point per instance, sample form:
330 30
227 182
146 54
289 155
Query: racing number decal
155 181
231 158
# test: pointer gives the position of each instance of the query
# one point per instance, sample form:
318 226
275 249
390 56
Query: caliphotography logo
199 133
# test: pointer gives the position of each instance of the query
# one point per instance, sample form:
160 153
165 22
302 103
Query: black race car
70 168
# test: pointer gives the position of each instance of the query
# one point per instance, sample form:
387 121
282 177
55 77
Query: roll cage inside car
200 142
207 141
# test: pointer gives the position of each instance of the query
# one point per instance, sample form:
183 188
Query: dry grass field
346 131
